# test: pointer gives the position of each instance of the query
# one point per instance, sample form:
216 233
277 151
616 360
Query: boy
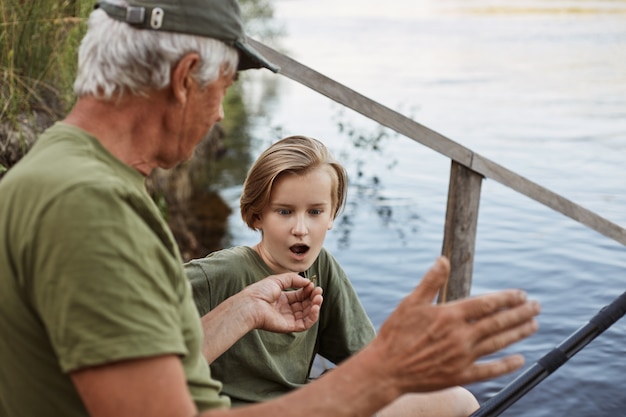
292 194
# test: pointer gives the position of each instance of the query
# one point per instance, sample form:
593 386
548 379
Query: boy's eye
316 211
283 211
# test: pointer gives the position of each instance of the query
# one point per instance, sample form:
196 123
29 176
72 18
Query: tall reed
38 41
38 44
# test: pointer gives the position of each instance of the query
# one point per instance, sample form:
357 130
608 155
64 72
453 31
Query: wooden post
459 238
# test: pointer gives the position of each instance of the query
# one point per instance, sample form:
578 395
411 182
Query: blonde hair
293 155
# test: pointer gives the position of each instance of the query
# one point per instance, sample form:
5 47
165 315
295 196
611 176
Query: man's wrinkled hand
436 346
285 303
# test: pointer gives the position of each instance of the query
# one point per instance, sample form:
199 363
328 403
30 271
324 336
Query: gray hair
115 58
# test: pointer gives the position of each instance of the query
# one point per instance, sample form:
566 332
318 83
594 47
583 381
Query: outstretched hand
284 303
437 346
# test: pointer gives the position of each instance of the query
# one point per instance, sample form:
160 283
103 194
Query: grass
38 42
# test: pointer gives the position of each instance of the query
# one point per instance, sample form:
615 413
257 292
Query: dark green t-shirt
263 365
89 274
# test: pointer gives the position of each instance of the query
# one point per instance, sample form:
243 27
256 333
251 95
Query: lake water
536 86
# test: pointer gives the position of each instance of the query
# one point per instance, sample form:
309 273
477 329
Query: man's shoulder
65 157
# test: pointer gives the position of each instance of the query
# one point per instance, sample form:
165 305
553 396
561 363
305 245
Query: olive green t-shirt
263 365
89 274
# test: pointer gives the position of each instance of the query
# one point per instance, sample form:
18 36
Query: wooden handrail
296 71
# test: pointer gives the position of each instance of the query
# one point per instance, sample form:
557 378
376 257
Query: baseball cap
218 19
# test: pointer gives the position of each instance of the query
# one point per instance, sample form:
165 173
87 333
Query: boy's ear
257 222
331 223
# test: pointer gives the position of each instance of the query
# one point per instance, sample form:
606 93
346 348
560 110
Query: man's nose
220 114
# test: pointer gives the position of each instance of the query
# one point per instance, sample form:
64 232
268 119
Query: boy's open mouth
299 249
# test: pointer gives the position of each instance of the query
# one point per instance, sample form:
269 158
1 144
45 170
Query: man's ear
182 76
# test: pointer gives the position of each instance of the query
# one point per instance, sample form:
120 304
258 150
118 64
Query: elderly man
96 314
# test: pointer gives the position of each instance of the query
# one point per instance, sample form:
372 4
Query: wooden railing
467 171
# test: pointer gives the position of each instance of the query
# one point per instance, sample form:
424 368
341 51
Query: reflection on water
536 86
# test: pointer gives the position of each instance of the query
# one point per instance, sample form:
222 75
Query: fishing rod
550 362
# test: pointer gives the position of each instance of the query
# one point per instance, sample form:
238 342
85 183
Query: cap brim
250 58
